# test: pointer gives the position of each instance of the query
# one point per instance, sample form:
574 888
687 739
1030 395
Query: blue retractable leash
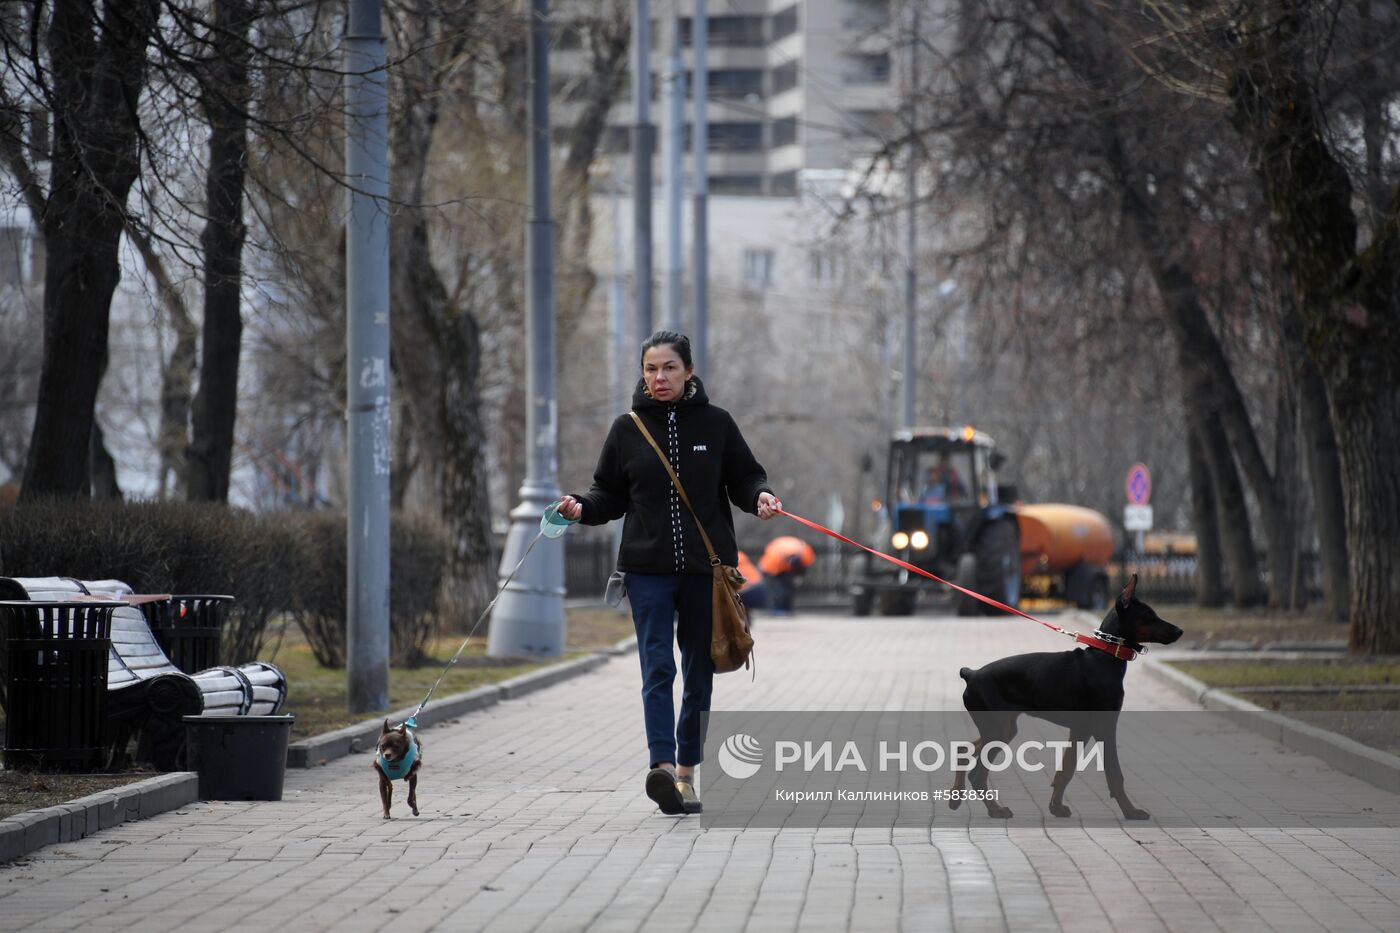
552 525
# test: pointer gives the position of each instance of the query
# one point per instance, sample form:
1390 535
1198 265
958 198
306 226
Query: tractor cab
940 482
943 512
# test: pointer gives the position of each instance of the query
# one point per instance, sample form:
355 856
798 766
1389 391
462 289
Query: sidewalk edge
26 832
1349 756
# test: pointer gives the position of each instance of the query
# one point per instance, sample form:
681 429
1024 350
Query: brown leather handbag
730 641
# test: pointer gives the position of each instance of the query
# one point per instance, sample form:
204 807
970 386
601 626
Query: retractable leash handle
1093 642
553 524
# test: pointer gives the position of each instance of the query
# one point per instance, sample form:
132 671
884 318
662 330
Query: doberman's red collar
1120 648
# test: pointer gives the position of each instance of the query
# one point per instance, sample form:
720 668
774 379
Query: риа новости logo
740 756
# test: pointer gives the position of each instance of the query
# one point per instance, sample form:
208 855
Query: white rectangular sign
1137 517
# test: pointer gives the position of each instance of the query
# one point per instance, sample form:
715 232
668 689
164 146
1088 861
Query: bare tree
225 94
90 72
1302 83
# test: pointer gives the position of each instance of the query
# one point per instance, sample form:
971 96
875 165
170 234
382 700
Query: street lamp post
642 146
367 361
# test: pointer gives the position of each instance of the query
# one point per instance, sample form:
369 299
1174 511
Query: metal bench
146 693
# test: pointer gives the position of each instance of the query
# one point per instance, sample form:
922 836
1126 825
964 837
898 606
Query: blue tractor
942 510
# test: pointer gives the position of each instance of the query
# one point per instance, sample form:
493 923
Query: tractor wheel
1087 587
862 603
966 577
999 564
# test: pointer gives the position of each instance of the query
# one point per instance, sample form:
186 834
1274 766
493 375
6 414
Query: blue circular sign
1139 484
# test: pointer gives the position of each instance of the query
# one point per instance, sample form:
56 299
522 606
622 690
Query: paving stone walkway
533 819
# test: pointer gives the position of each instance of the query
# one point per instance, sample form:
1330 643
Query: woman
667 567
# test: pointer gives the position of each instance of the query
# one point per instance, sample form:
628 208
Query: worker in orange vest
753 594
784 560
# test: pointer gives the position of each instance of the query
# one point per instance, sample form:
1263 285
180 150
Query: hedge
288 562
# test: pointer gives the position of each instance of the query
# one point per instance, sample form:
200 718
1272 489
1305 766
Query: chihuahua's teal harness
398 770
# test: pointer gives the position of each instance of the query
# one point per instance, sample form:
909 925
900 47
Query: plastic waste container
239 757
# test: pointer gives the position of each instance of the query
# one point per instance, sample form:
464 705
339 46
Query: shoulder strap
676 481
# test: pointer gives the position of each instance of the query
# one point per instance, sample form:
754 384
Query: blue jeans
657 600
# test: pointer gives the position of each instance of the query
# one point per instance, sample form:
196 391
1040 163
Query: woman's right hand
570 508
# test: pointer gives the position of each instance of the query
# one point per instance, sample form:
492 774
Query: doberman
1081 690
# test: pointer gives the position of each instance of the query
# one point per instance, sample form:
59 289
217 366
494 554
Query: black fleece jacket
712 460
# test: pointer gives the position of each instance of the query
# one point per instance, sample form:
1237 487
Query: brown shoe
661 787
690 800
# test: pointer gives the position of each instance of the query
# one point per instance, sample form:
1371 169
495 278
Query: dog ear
1126 596
385 730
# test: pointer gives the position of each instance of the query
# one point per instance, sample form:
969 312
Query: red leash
1121 652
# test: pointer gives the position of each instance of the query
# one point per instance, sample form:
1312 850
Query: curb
1349 756
25 832
361 737
68 822
327 747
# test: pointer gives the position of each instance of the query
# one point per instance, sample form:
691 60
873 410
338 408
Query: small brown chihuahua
399 757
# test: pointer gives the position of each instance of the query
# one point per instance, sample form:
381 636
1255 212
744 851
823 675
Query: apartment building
798 91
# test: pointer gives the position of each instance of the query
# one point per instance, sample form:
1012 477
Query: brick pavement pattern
533 819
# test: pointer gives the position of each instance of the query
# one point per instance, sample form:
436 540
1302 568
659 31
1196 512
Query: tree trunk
1349 301
102 467
1236 534
1325 474
1210 588
225 100
94 86
437 353
1281 522
1204 364
1369 439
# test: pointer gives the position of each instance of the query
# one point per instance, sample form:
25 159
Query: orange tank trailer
1055 537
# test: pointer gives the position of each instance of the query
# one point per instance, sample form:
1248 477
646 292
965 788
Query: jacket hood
694 395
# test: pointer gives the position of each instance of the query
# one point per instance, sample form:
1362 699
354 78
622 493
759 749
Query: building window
740 31
784 131
867 15
11 255
785 77
735 83
758 268
785 23
736 184
783 185
826 266
879 123
735 137
868 69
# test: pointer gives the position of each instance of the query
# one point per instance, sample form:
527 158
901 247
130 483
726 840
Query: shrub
279 562
417 561
163 547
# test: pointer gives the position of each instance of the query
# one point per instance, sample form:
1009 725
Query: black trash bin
54 683
188 629
239 757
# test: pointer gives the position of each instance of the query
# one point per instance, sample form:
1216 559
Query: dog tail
965 672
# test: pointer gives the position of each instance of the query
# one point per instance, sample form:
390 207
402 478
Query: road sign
1137 517
1139 485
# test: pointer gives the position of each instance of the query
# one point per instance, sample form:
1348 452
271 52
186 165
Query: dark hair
669 338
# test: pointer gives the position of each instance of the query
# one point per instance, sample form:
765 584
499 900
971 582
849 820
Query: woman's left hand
768 505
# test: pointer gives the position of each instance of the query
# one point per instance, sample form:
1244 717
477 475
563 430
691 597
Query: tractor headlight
919 540
900 540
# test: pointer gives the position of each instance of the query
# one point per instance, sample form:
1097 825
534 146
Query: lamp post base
528 619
